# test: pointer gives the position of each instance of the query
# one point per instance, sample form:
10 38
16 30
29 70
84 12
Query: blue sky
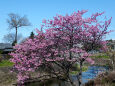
37 10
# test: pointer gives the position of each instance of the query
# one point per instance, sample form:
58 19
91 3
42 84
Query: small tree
58 48
31 35
15 21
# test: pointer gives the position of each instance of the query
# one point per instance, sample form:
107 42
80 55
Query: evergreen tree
31 35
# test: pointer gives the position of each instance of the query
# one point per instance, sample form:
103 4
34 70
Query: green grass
100 55
77 71
6 63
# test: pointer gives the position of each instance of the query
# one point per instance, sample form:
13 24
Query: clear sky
37 10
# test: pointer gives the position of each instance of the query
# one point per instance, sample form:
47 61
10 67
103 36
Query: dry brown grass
104 79
6 77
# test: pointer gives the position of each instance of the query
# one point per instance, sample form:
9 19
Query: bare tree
15 21
10 38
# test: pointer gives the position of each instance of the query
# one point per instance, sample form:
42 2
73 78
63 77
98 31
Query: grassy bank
78 69
6 63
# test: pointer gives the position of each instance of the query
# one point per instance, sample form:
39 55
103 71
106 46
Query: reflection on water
91 73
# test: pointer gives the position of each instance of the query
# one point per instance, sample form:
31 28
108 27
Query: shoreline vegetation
103 79
10 78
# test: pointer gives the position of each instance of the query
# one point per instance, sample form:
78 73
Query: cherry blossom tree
65 41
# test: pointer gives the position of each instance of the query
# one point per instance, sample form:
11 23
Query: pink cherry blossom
60 43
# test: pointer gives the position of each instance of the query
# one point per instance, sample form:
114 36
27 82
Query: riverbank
103 79
6 77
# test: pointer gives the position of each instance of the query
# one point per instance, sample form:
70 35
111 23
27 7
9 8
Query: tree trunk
80 74
71 82
16 35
